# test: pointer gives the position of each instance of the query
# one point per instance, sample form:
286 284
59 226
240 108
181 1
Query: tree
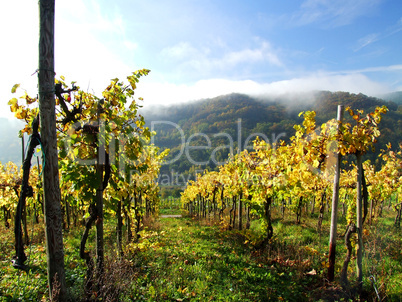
357 140
97 139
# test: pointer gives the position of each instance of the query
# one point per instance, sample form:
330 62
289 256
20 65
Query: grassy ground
189 261
183 259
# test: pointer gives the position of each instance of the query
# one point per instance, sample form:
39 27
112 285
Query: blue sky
198 49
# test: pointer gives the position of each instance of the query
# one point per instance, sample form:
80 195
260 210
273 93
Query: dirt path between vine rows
170 216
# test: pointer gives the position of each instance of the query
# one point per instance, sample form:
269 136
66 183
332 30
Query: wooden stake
51 187
334 209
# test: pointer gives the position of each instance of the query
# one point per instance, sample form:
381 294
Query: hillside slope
201 134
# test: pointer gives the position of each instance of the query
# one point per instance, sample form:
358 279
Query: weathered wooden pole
23 148
99 194
334 209
51 188
359 221
240 211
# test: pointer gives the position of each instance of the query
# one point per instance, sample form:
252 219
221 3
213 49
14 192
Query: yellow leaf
21 114
30 100
13 101
14 108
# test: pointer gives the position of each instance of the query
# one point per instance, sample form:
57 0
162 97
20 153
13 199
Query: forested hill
222 125
395 97
218 126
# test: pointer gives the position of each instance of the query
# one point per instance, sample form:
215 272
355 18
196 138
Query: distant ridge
272 116
268 115
395 97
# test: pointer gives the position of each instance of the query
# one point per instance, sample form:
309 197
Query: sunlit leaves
300 170
362 136
23 111
13 103
84 122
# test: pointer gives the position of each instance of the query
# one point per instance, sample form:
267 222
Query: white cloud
332 12
390 68
181 51
375 37
80 54
90 16
19 53
168 93
205 61
367 40
130 45
354 83
394 29
256 55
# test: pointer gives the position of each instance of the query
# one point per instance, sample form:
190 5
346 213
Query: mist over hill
395 97
202 134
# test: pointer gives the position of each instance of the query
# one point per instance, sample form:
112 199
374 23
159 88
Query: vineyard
256 229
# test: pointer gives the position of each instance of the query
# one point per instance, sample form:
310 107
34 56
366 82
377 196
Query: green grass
183 259
170 211
188 261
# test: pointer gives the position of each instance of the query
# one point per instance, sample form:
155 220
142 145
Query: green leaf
63 153
14 89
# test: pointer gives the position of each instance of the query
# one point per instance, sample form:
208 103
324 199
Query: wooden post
334 209
99 194
359 222
23 148
51 188
240 211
